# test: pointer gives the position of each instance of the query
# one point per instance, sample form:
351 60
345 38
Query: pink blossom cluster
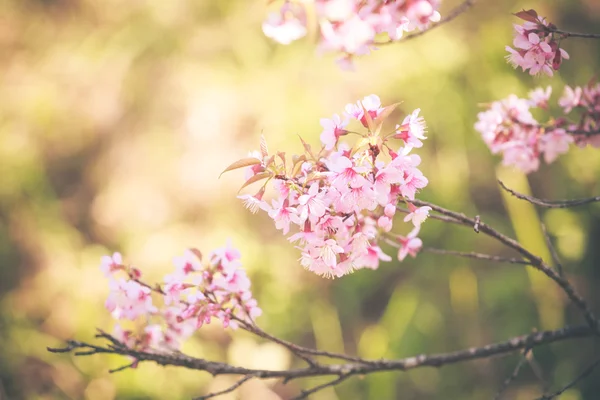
342 199
194 294
536 45
508 127
586 103
350 27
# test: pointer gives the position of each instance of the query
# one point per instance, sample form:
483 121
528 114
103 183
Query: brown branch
581 376
550 203
535 261
566 34
299 350
461 8
352 368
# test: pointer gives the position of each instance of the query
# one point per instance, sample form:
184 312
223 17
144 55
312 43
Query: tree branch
478 256
566 34
550 203
461 8
535 261
583 374
342 371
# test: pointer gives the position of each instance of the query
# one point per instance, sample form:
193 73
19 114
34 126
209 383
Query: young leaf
527 15
298 164
256 178
306 147
368 118
244 162
264 150
197 253
382 117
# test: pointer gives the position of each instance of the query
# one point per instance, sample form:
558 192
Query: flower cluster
537 45
343 199
190 297
350 27
508 127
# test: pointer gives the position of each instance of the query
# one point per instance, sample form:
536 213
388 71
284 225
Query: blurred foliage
116 119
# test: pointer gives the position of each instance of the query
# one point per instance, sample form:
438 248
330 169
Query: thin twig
124 367
537 371
308 392
230 389
552 250
550 203
461 8
514 374
478 256
299 350
566 34
535 261
581 376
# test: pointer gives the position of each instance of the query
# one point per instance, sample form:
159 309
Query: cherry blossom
193 295
287 25
508 126
342 199
536 45
350 27
409 244
110 264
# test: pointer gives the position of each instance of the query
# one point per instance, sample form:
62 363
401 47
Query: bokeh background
116 118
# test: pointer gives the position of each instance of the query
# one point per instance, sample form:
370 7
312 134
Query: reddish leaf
264 150
298 161
306 147
368 118
197 253
244 162
527 15
378 123
258 177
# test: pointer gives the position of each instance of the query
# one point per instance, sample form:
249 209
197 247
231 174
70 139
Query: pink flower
287 25
254 203
412 130
571 98
128 299
312 205
373 256
284 215
555 143
351 36
521 156
385 223
187 263
410 245
539 97
371 103
417 215
110 264
332 129
537 49
345 173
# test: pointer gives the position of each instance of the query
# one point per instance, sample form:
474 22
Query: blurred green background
116 118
